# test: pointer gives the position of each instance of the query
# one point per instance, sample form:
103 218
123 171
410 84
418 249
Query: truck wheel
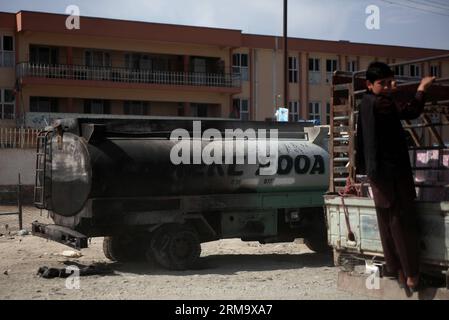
174 247
317 244
123 248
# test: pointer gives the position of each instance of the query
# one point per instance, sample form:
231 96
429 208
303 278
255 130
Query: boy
382 155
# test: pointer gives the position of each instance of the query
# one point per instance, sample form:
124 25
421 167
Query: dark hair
378 70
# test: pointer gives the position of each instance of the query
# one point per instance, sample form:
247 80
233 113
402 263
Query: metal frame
41 167
19 205
346 90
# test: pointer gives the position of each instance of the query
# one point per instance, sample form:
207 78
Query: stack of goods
432 181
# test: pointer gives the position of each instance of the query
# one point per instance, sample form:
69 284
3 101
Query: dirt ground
228 269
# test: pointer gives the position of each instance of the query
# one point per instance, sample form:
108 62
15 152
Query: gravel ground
228 269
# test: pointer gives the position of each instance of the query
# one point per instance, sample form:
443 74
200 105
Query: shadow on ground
228 264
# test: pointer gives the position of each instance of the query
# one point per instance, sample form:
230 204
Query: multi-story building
120 67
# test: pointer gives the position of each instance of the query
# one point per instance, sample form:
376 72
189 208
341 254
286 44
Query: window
139 108
314 111
96 106
7 104
8 43
44 55
314 71
415 71
352 66
331 65
199 110
240 65
314 65
97 58
328 113
138 61
6 51
292 69
43 104
244 110
399 70
242 107
293 111
435 71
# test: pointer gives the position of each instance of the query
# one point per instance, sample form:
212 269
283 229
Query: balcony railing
124 75
23 138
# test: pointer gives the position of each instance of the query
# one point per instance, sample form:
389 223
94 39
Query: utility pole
285 57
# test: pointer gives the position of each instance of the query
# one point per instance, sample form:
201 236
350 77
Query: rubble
72 254
23 233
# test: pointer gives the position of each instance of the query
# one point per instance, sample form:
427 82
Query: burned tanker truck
115 178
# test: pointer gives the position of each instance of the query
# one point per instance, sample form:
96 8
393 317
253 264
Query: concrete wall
15 161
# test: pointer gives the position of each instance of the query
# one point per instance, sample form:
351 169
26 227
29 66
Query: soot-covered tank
145 183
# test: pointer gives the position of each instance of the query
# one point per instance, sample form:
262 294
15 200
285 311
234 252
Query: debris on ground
6 272
23 233
94 269
72 254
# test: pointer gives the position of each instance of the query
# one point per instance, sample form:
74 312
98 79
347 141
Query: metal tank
98 177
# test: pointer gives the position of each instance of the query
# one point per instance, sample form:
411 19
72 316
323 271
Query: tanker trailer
116 178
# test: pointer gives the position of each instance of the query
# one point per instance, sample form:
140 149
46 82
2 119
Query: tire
174 247
316 237
317 244
124 248
107 248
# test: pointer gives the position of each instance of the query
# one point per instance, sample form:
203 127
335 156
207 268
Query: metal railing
428 138
124 75
22 138
18 191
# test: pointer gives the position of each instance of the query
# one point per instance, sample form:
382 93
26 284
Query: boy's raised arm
412 109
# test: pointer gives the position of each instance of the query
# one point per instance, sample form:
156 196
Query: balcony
128 76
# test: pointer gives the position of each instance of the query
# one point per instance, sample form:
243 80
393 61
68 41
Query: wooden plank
341 170
341 108
342 159
341 118
342 87
339 129
341 149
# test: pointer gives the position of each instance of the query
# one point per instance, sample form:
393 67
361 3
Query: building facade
116 67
